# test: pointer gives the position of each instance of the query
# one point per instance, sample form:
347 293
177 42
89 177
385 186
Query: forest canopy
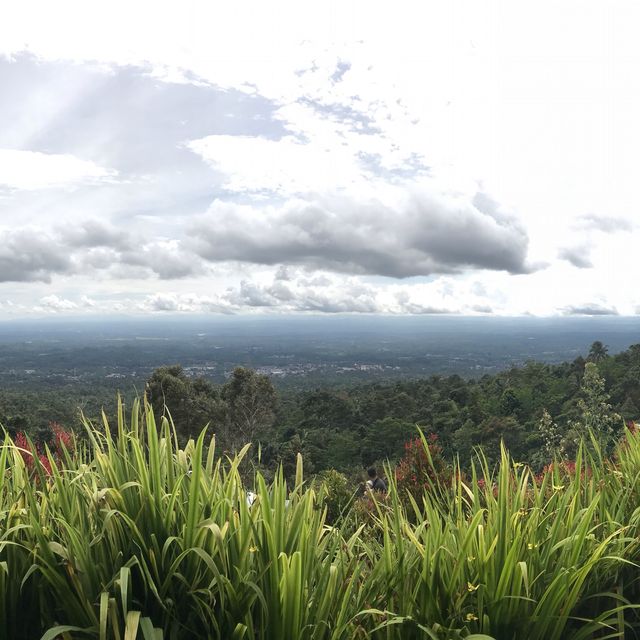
537 410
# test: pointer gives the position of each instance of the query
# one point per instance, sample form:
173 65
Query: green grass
132 537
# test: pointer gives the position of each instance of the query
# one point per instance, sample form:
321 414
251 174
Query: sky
455 157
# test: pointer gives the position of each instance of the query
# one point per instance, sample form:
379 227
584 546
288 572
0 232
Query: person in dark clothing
374 483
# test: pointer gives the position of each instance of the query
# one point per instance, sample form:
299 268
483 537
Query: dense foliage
357 426
130 536
538 410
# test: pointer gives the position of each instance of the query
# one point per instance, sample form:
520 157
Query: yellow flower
558 487
471 617
470 558
531 546
517 465
253 549
471 587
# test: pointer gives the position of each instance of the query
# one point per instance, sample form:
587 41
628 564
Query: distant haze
295 351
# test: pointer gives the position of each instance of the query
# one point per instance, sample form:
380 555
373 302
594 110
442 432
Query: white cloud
590 309
30 254
356 146
55 303
577 256
34 170
421 234
165 258
606 224
253 165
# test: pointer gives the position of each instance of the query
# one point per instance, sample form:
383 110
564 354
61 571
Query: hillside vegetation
352 427
128 535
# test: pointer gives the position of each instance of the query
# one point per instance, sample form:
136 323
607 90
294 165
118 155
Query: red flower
46 463
25 449
421 468
62 439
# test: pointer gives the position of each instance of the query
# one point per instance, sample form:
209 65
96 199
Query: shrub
422 467
38 456
337 494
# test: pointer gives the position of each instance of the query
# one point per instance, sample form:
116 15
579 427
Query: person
374 483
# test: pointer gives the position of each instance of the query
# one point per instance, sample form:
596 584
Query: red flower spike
46 463
63 440
25 449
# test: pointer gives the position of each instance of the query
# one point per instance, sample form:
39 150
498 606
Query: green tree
251 402
329 410
385 439
488 435
192 403
598 352
596 414
168 389
629 409
509 403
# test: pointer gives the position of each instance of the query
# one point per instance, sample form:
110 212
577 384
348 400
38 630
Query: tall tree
193 403
596 414
598 352
251 401
168 390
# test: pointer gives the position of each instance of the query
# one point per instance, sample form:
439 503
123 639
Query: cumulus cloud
590 309
424 233
340 297
97 258
171 145
408 304
608 224
163 302
251 295
299 294
29 254
266 291
327 178
184 303
94 233
577 256
165 258
55 303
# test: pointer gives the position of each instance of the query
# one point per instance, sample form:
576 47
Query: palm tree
598 352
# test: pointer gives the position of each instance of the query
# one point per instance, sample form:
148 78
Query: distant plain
298 352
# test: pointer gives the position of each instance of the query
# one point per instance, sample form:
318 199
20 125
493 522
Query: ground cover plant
125 535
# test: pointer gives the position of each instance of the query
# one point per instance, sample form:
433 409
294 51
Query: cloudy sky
421 157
